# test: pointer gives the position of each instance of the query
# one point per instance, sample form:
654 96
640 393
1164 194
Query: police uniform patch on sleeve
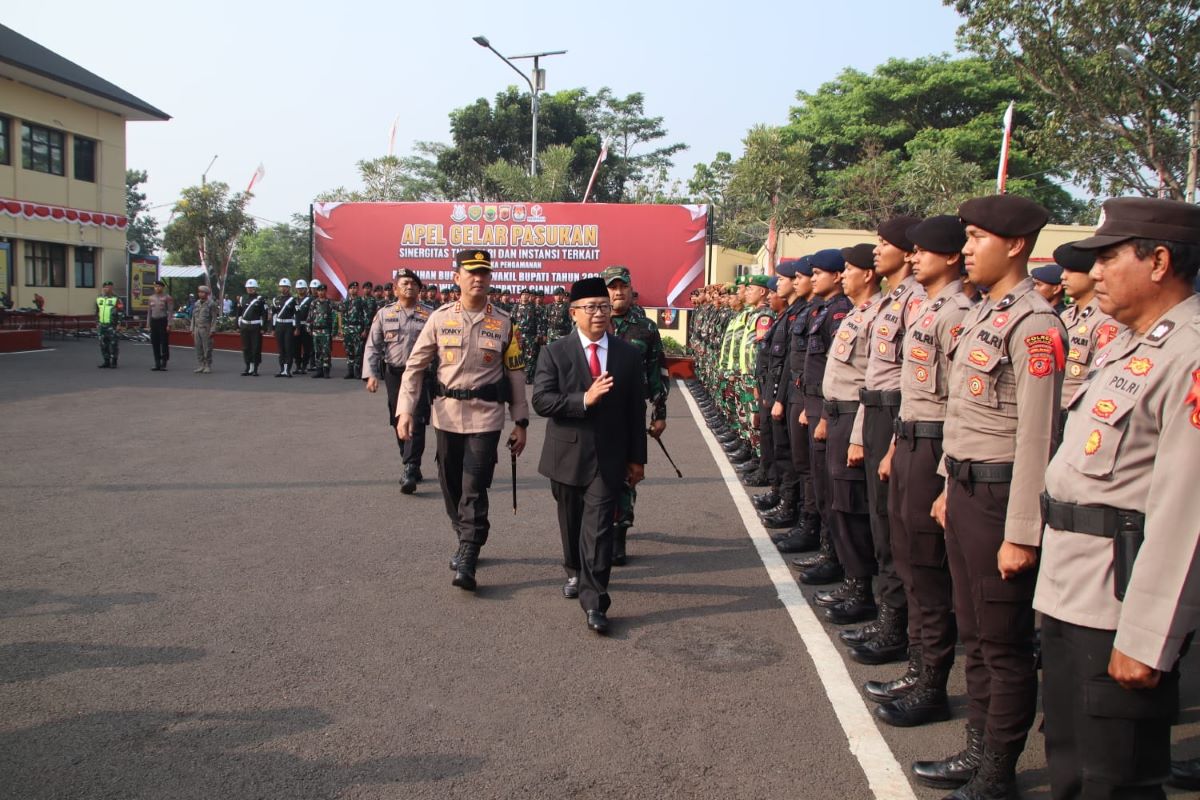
1106 334
1193 399
1041 354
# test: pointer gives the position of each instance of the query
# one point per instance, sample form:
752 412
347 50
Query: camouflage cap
615 273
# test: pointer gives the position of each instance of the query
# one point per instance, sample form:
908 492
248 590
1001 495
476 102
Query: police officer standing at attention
1047 281
1005 380
109 313
389 343
252 318
480 370
302 341
160 308
204 319
1089 329
284 315
1119 577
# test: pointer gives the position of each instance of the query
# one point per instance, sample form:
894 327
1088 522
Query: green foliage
1115 127
269 254
396 179
207 217
142 228
551 184
769 184
671 347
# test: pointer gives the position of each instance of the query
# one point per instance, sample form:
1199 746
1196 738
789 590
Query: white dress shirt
601 351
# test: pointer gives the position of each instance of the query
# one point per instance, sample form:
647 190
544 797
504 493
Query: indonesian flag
256 177
592 180
1002 173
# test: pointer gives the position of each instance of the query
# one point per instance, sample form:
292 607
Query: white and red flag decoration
258 175
592 180
46 213
1002 173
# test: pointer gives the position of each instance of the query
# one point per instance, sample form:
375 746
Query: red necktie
594 360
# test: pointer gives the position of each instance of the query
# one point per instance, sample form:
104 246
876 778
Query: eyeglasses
592 309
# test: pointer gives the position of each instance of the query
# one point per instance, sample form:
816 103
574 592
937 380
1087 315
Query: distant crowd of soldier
961 448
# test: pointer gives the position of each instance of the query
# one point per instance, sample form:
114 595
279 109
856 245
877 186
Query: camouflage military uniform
557 322
758 323
527 319
110 311
354 328
323 321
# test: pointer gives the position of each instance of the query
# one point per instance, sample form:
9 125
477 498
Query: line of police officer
911 436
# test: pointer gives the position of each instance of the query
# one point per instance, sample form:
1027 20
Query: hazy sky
309 88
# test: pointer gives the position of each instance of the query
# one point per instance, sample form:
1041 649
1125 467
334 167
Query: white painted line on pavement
23 352
885 776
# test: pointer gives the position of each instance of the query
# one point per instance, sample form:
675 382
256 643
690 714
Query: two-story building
62 177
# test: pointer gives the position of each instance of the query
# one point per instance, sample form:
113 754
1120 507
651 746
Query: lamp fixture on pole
536 85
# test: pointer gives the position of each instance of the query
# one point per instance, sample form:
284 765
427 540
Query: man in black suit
590 387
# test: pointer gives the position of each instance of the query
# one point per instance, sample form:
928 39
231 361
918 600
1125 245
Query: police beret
941 234
828 260
786 269
1071 258
757 280
366 284
615 273
895 231
588 287
1004 214
1124 218
473 260
350 285
559 291
406 273
804 266
1048 273
860 255
773 283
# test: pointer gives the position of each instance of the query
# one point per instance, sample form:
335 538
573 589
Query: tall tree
551 184
143 228
209 220
268 254
396 178
1117 127
769 191
622 122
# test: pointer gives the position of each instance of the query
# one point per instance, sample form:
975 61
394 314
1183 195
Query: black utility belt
813 391
1127 529
836 408
880 398
492 393
917 430
968 472
395 370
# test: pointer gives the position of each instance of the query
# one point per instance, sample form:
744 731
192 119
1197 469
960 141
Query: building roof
26 61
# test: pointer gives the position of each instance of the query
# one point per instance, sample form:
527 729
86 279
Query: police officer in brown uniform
829 309
1005 380
393 333
1089 329
480 370
886 639
851 601
1119 586
918 542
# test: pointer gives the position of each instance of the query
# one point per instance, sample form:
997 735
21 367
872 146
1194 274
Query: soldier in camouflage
322 320
110 311
557 315
629 322
354 328
527 319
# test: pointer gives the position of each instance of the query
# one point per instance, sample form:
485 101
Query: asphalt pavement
211 586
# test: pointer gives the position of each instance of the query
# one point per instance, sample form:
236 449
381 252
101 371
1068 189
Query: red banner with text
534 245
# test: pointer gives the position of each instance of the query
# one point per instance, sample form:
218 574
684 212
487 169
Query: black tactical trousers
847 486
284 338
466 463
801 465
877 436
252 344
159 340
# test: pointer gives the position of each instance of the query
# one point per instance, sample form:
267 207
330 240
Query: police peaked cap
472 260
941 234
1004 215
1072 259
860 255
1124 218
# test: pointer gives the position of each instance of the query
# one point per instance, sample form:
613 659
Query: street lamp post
1130 57
536 85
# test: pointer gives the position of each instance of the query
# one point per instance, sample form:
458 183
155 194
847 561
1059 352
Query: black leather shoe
732 443
408 483
1185 774
571 588
956 770
742 454
822 573
756 479
597 621
753 465
765 500
887 691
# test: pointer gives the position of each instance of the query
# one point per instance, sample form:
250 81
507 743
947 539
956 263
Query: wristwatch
521 423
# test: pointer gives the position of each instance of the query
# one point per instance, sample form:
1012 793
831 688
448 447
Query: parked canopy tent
180 272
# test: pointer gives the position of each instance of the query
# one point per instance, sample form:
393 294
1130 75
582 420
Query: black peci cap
588 287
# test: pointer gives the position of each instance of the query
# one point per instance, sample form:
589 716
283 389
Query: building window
85 159
42 149
45 264
5 158
85 268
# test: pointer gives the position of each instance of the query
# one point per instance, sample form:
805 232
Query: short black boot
457 557
957 770
857 636
620 534
743 453
887 691
785 515
464 576
804 537
834 596
858 607
926 702
767 499
995 779
890 643
408 483
246 371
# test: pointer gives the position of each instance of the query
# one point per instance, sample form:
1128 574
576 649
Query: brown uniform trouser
995 617
919 548
848 489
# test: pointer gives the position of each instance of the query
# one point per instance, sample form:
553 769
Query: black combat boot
824 568
620 533
105 365
956 770
743 453
767 499
254 370
751 466
785 515
887 691
349 373
857 636
317 372
995 779
838 594
454 559
858 607
464 576
890 643
925 702
408 483
246 371
804 537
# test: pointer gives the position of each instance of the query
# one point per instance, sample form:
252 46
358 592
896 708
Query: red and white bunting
46 213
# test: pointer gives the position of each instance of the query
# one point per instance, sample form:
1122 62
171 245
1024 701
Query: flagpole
596 169
1002 172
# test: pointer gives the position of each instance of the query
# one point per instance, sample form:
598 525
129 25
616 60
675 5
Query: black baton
513 455
668 455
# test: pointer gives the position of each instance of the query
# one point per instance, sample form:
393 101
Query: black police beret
1073 259
352 284
407 273
588 287
860 255
1004 215
829 260
941 234
895 231
786 268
